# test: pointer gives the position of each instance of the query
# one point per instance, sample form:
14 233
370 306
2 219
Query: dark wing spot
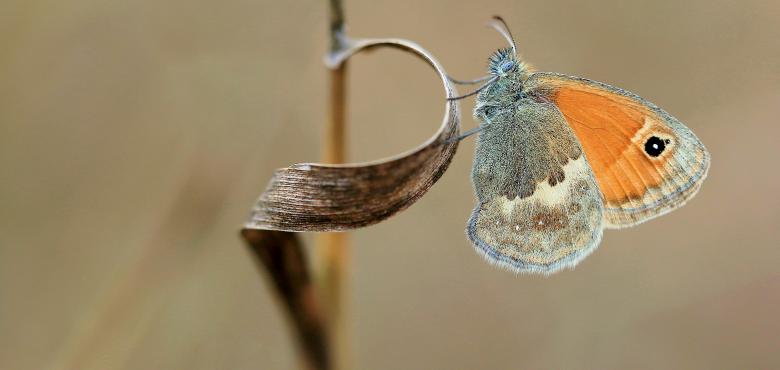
556 177
654 146
580 188
549 219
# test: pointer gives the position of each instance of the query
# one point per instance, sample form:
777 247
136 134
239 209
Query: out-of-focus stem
333 252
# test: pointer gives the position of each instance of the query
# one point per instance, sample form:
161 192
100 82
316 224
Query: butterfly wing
645 161
539 207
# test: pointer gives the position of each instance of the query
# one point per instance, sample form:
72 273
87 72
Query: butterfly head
507 71
504 62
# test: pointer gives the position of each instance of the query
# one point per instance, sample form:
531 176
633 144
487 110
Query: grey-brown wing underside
539 208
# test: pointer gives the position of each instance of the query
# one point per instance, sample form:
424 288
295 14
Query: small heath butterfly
561 158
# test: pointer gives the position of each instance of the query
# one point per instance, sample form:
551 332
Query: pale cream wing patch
555 227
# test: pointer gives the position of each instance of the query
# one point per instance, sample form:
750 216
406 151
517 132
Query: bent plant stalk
339 197
333 249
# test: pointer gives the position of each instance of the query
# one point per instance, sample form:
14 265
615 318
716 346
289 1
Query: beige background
135 136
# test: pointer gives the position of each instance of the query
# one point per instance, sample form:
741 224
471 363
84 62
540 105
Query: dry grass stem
333 255
338 197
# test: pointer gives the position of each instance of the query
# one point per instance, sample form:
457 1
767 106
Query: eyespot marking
654 146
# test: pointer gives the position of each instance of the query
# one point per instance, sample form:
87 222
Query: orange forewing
609 127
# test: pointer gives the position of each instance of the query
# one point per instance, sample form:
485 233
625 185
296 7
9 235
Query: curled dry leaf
320 197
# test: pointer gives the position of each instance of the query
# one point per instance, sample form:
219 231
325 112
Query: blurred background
135 137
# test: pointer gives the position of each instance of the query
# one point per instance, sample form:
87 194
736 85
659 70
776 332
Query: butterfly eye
507 66
489 111
654 146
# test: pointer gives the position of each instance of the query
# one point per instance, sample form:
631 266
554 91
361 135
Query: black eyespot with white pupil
654 146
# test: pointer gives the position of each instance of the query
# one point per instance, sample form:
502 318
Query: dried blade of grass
332 197
322 197
281 254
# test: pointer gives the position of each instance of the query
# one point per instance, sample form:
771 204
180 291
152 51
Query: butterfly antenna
475 92
499 25
468 82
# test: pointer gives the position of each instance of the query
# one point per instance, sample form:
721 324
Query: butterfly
558 159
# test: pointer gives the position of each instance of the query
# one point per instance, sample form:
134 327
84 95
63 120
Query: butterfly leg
466 134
